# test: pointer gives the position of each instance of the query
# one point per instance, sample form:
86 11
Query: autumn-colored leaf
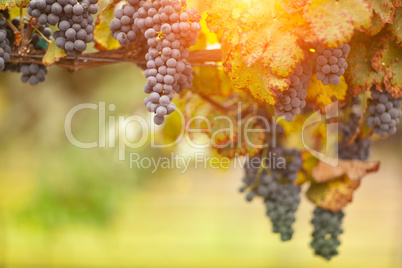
8 4
333 195
353 169
282 54
224 13
334 21
249 142
224 129
384 9
211 81
252 44
259 81
375 27
293 6
308 164
360 74
53 54
396 27
320 95
102 35
389 61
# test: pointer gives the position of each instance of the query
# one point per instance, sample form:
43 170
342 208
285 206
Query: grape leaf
334 21
282 54
396 27
223 14
211 81
247 143
261 82
293 6
252 44
320 96
389 61
360 74
224 129
53 54
384 8
8 4
102 35
375 27
353 169
333 195
397 3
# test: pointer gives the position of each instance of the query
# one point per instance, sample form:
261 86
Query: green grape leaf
8 4
334 21
396 27
384 9
389 61
360 74
53 54
102 35
375 27
333 195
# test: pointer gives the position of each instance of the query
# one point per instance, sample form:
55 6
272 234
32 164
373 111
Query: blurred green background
61 206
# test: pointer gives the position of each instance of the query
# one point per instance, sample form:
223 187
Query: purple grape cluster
327 228
5 48
359 149
276 187
73 18
331 63
169 28
33 73
123 27
291 101
385 112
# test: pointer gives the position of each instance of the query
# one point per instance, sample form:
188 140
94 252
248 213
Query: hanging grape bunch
385 112
73 19
4 41
331 63
170 28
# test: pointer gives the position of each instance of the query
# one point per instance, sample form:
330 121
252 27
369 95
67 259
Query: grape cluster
73 18
327 228
385 112
5 48
291 101
276 186
123 27
359 149
331 63
33 73
170 28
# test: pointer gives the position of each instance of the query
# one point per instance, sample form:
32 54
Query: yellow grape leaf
396 27
282 54
211 81
353 169
224 13
102 35
8 4
53 54
334 21
293 6
333 195
384 9
252 44
261 82
361 75
388 61
308 164
319 95
205 36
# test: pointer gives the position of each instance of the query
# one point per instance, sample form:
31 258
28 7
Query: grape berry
331 63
